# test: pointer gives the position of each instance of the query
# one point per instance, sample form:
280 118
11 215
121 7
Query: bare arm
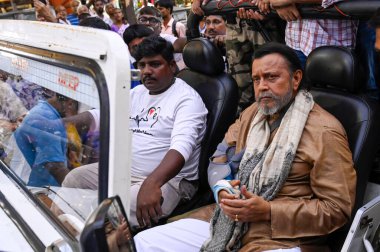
149 196
58 170
179 44
44 11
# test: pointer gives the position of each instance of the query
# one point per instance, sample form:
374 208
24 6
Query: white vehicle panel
28 211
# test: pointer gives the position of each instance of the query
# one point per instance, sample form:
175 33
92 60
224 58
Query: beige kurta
319 193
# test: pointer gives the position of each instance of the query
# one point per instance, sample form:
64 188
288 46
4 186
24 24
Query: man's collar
170 23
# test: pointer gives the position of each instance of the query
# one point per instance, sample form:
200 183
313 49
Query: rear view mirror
107 229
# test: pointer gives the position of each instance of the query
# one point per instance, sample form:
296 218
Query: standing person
118 25
295 183
110 9
304 35
240 42
168 122
169 25
216 31
99 11
133 36
61 14
151 17
73 17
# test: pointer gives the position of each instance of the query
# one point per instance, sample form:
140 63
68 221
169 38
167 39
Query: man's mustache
266 95
148 78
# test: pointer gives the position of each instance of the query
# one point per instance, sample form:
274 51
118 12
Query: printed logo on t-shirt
147 120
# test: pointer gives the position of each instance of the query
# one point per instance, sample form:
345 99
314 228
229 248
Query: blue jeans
366 50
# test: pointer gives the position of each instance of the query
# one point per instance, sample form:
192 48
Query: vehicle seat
219 91
336 79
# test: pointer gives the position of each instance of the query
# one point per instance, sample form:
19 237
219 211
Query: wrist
152 181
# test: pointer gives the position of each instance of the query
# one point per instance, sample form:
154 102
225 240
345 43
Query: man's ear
297 77
173 66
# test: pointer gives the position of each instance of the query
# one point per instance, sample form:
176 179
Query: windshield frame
92 69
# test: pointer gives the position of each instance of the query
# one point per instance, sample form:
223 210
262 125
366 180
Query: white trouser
186 235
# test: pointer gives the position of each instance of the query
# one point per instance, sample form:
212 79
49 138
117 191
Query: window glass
49 134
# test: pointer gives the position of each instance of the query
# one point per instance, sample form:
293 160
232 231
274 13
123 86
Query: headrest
203 56
335 67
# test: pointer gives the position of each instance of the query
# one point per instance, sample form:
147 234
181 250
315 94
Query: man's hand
288 13
223 194
148 203
263 6
251 209
44 11
249 14
196 7
123 234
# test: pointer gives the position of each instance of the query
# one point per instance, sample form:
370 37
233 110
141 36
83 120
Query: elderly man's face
110 9
61 12
150 21
273 83
215 25
156 73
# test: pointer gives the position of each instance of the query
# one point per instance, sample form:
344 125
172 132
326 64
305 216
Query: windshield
49 135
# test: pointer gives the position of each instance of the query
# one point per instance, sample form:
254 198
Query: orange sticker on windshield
19 63
68 80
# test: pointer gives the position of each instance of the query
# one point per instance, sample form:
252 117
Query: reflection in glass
44 136
119 236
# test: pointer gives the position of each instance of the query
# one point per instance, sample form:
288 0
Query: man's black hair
136 31
153 46
168 4
94 22
286 52
149 10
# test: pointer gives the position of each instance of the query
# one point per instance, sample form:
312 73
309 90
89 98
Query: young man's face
99 7
156 73
165 12
273 83
150 21
215 25
133 45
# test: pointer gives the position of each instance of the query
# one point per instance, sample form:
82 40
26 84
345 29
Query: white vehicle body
52 42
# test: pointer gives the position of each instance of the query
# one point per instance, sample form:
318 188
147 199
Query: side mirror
107 229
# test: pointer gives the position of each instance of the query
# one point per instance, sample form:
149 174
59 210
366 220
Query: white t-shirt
175 119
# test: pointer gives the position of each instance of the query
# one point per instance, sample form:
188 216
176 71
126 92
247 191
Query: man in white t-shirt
168 122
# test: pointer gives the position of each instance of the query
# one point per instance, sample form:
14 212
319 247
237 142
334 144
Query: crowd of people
285 159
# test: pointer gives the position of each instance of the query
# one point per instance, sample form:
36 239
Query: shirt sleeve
332 182
189 125
181 30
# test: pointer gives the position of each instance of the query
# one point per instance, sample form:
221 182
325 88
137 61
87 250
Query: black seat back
335 76
219 91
